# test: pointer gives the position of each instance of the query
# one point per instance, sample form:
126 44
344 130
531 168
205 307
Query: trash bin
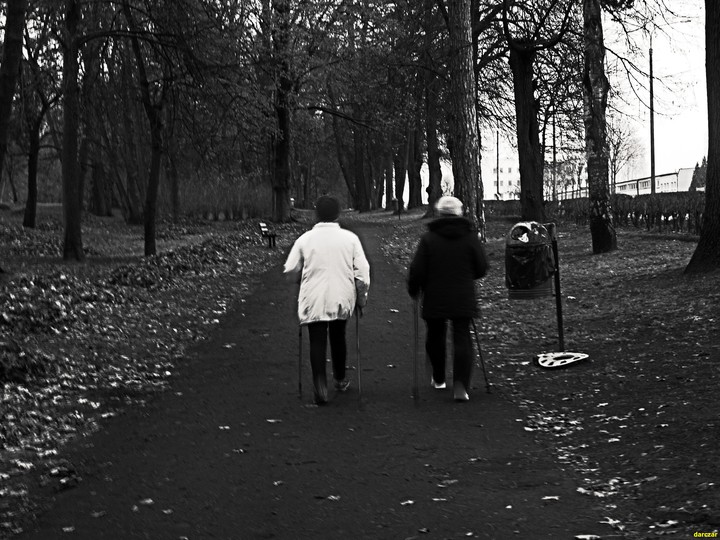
529 261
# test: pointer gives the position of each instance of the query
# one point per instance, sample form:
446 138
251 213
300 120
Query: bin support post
558 294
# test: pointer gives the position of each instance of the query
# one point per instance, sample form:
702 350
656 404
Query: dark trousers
318 348
462 345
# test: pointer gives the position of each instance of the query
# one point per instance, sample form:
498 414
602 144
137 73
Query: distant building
664 183
500 171
501 175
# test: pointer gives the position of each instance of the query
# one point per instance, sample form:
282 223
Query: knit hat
327 208
449 206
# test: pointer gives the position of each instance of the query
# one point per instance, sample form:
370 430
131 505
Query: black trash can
529 261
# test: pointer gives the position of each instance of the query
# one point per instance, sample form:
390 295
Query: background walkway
231 452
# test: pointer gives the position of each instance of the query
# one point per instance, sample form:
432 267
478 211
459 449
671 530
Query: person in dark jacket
448 260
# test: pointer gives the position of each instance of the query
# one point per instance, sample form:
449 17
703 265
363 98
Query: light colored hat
449 206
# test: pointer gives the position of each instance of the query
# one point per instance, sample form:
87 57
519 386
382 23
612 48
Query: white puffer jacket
334 273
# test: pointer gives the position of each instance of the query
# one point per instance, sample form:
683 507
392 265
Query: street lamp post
652 123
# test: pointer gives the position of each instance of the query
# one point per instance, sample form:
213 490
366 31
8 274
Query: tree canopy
246 107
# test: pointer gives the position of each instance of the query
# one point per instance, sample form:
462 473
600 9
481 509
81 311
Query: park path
231 452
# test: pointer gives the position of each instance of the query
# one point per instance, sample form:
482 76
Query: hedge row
678 212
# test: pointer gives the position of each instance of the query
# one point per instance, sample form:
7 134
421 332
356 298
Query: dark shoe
459 392
321 394
341 386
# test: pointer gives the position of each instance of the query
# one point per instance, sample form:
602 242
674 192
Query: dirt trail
231 452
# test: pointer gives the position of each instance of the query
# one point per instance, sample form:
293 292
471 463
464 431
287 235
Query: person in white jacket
334 276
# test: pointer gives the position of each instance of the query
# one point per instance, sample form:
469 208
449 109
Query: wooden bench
267 232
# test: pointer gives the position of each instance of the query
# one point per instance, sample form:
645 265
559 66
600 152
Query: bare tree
624 148
531 27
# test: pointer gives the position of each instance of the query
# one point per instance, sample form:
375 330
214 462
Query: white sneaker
459 392
437 386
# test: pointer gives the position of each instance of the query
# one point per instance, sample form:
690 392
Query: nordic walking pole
482 361
416 386
357 349
300 361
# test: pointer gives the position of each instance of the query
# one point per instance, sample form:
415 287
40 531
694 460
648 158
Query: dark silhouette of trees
699 176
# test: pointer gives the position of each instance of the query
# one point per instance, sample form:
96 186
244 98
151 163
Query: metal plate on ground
559 359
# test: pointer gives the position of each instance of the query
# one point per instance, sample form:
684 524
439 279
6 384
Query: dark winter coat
449 258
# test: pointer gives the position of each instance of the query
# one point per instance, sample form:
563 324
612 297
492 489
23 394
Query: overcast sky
680 93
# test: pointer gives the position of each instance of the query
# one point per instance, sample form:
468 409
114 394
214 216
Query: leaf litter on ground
78 343
635 421
75 343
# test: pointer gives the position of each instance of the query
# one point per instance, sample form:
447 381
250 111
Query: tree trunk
12 55
132 189
29 219
463 116
281 174
528 135
11 179
171 172
101 189
400 160
150 209
100 202
154 112
306 188
434 189
343 151
83 164
344 161
374 156
415 161
388 166
707 253
362 191
380 182
92 166
281 142
72 245
596 86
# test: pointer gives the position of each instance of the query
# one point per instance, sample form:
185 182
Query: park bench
267 232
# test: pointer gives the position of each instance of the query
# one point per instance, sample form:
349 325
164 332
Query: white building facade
664 183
